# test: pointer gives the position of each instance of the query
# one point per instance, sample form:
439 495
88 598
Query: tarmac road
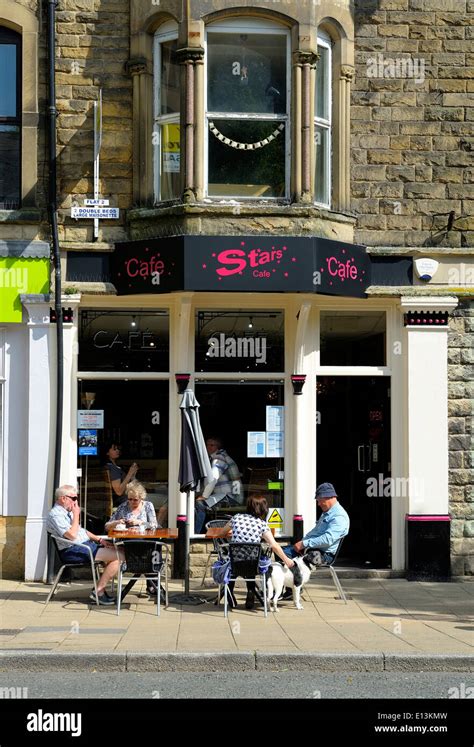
351 685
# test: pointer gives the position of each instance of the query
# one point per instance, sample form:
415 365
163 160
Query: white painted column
68 474
426 408
302 435
181 361
39 451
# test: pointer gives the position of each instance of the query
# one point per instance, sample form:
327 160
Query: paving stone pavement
387 616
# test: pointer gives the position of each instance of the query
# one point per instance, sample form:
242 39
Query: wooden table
149 534
133 534
217 532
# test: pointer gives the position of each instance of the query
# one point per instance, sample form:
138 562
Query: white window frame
324 40
250 25
167 32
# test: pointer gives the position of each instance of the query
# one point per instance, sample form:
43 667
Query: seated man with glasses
64 522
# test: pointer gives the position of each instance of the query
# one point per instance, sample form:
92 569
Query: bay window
322 123
166 130
247 110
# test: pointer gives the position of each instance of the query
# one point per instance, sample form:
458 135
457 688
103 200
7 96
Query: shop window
248 418
10 119
322 123
247 110
239 341
124 340
351 338
136 419
166 131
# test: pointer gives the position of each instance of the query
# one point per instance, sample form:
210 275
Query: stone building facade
400 164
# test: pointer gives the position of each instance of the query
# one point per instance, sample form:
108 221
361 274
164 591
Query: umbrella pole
186 597
188 543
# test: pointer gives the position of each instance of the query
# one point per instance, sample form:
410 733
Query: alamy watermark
396 67
237 347
394 487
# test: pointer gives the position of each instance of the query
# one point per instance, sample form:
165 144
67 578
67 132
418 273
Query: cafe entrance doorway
354 453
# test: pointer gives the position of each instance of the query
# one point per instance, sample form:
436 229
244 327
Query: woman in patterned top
252 527
136 510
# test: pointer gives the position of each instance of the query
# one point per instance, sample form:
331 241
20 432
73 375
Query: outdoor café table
133 534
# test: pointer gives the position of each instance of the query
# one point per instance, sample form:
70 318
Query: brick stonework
412 161
461 437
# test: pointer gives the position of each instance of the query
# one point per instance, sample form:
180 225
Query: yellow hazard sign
275 520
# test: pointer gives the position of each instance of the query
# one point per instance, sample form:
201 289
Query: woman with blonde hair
136 511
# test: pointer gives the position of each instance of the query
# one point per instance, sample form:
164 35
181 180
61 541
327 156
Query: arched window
10 119
166 130
247 109
323 122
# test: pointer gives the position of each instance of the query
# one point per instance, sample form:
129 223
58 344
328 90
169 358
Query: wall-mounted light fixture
297 381
182 381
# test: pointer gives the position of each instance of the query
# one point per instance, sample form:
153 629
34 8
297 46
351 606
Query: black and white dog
282 576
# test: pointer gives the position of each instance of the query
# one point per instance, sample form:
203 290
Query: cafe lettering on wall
241 263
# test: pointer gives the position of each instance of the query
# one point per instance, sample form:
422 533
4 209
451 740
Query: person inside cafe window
118 478
225 489
64 523
252 527
135 512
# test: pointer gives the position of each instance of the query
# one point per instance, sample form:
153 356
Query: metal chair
143 557
244 562
333 573
90 563
219 543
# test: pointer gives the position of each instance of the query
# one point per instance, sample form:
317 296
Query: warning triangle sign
275 517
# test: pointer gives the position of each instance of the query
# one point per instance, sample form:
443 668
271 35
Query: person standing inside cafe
118 478
225 488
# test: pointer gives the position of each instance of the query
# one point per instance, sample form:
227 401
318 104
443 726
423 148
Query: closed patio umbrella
194 473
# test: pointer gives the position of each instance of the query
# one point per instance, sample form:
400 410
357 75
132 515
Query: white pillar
427 407
39 452
181 361
303 431
68 474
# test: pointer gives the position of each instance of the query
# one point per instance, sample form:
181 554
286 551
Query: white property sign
94 212
90 419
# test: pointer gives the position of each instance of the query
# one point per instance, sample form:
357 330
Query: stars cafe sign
241 263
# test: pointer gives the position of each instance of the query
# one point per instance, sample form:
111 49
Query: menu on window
255 444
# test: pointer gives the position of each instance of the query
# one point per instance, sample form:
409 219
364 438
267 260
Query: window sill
235 208
21 215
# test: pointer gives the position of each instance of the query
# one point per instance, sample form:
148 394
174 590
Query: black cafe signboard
240 263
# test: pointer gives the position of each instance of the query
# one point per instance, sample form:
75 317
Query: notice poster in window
275 418
87 442
170 148
255 444
275 444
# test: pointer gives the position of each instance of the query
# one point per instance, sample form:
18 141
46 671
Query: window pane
322 181
350 338
233 171
247 73
240 341
221 406
9 167
124 341
322 84
170 161
7 80
169 79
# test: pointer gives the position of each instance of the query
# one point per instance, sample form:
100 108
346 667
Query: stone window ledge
21 215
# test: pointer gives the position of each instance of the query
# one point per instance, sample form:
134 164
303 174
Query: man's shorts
79 553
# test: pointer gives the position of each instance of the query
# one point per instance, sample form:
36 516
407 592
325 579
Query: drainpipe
53 220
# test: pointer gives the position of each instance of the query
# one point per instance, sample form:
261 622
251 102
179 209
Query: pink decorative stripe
434 517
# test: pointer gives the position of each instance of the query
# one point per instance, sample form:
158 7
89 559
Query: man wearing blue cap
332 525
